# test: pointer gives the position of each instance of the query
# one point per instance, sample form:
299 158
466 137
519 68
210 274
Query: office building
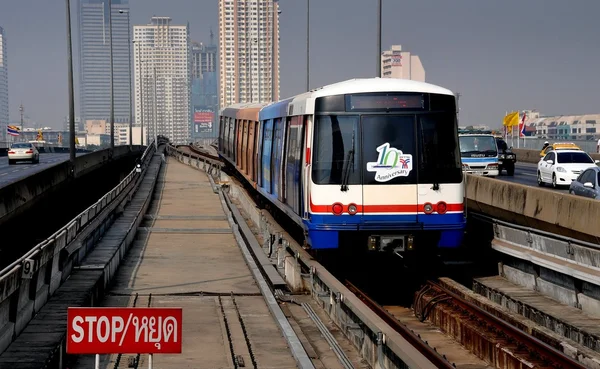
162 63
248 51
205 101
94 60
396 63
3 85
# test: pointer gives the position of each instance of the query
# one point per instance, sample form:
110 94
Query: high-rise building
94 60
396 63
163 78
249 51
205 99
3 85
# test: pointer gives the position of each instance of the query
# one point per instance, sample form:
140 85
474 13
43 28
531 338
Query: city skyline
465 47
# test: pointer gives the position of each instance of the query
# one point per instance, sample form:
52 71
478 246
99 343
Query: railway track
490 338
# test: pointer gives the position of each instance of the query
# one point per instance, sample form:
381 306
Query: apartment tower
396 63
162 64
248 51
94 60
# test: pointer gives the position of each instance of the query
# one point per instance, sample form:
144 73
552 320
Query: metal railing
40 268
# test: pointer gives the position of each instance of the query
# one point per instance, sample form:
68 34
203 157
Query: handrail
117 188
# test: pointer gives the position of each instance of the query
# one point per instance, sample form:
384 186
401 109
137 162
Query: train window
384 135
439 152
334 138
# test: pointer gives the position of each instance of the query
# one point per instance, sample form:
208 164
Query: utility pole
112 90
155 112
379 38
307 45
141 96
22 111
130 94
70 85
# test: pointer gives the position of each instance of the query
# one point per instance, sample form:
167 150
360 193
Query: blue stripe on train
323 230
409 221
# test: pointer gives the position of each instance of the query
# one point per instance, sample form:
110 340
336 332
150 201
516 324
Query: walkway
186 256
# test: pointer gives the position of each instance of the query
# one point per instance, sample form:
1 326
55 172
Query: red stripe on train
385 208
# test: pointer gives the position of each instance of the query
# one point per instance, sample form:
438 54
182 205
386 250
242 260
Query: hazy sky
500 55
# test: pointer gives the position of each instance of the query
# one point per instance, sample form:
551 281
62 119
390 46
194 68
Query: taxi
558 146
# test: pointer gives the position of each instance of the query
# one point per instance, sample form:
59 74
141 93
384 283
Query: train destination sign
387 101
124 330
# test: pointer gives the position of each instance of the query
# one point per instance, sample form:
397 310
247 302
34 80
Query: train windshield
478 146
418 148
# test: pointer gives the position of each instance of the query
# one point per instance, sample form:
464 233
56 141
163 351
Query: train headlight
428 208
442 207
337 208
352 209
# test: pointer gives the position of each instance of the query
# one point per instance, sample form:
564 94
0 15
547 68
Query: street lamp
130 98
112 90
379 38
139 48
307 45
70 85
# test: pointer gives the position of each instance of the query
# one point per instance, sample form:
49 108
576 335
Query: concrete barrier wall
550 211
533 156
28 283
20 196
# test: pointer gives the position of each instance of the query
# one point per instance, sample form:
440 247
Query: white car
23 151
562 167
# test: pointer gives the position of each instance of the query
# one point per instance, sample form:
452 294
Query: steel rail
545 352
436 358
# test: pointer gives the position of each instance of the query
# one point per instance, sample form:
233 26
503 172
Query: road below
526 174
13 173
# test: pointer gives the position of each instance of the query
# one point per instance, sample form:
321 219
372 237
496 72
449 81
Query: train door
276 161
244 152
250 151
293 163
266 168
238 143
390 172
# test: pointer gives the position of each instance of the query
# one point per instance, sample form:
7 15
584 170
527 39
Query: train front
386 173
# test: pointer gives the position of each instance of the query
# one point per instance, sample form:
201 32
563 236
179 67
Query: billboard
203 121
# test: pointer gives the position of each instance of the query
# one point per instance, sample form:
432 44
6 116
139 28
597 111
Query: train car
372 163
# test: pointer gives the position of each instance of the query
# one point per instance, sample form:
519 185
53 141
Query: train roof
305 101
301 103
243 110
359 85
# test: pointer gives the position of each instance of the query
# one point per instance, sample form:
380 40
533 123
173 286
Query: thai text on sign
124 330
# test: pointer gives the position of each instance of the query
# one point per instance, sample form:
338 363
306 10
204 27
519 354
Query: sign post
116 330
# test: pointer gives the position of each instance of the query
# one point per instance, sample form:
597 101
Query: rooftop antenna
212 37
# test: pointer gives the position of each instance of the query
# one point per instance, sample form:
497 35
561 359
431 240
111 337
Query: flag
76 141
40 136
60 138
12 130
511 119
522 125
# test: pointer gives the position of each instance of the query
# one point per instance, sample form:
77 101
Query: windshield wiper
349 162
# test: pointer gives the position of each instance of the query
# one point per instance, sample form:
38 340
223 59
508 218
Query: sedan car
587 184
23 151
561 167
